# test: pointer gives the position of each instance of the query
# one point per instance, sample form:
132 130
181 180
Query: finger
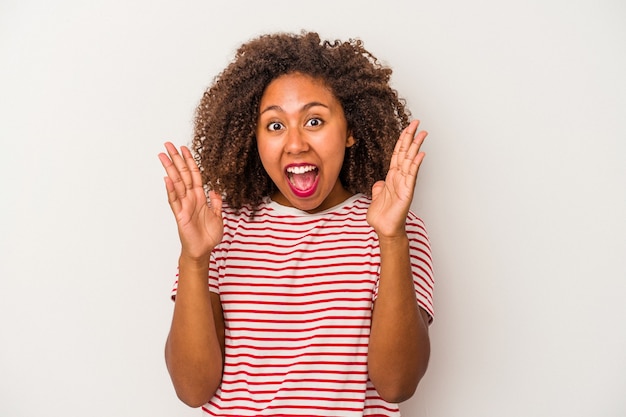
215 201
176 169
403 145
407 165
416 161
196 176
414 169
172 197
170 168
181 165
396 151
173 175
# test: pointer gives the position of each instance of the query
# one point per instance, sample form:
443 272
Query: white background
523 190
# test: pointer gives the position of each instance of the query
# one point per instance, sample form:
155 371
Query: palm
391 199
200 225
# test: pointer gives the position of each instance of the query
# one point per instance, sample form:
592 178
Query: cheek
261 146
267 155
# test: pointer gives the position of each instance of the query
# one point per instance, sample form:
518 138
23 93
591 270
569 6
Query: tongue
304 181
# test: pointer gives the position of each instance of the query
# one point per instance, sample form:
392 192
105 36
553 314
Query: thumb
215 201
377 188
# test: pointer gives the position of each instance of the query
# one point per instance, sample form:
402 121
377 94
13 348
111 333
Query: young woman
319 291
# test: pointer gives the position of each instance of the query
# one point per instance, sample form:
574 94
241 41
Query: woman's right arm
194 347
193 351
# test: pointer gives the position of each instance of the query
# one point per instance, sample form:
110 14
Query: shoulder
415 225
245 212
360 201
248 217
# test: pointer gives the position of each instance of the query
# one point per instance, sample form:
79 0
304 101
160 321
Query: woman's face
302 135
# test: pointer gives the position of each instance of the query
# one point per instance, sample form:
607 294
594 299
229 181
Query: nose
295 141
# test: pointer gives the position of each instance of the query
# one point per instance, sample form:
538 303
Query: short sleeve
421 263
213 281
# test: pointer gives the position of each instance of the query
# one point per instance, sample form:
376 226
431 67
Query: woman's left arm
399 347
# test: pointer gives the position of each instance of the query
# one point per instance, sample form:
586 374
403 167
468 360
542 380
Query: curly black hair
224 142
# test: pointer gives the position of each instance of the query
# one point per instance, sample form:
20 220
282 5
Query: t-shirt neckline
293 211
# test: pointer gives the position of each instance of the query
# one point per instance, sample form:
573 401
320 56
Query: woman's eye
274 126
314 122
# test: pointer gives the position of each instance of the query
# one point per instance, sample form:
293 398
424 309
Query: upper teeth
300 169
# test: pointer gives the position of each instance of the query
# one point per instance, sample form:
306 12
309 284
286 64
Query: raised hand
200 225
391 199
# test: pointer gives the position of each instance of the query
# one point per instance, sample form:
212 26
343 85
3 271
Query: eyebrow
305 107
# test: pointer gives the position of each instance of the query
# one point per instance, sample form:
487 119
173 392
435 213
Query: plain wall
523 191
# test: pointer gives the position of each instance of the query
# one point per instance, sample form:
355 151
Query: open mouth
302 179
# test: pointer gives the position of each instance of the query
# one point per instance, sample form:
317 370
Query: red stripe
300 312
296 303
288 348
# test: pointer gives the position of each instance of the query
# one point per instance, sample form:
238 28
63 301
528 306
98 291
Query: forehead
297 88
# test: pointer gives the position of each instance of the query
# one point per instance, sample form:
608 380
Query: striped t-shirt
297 292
